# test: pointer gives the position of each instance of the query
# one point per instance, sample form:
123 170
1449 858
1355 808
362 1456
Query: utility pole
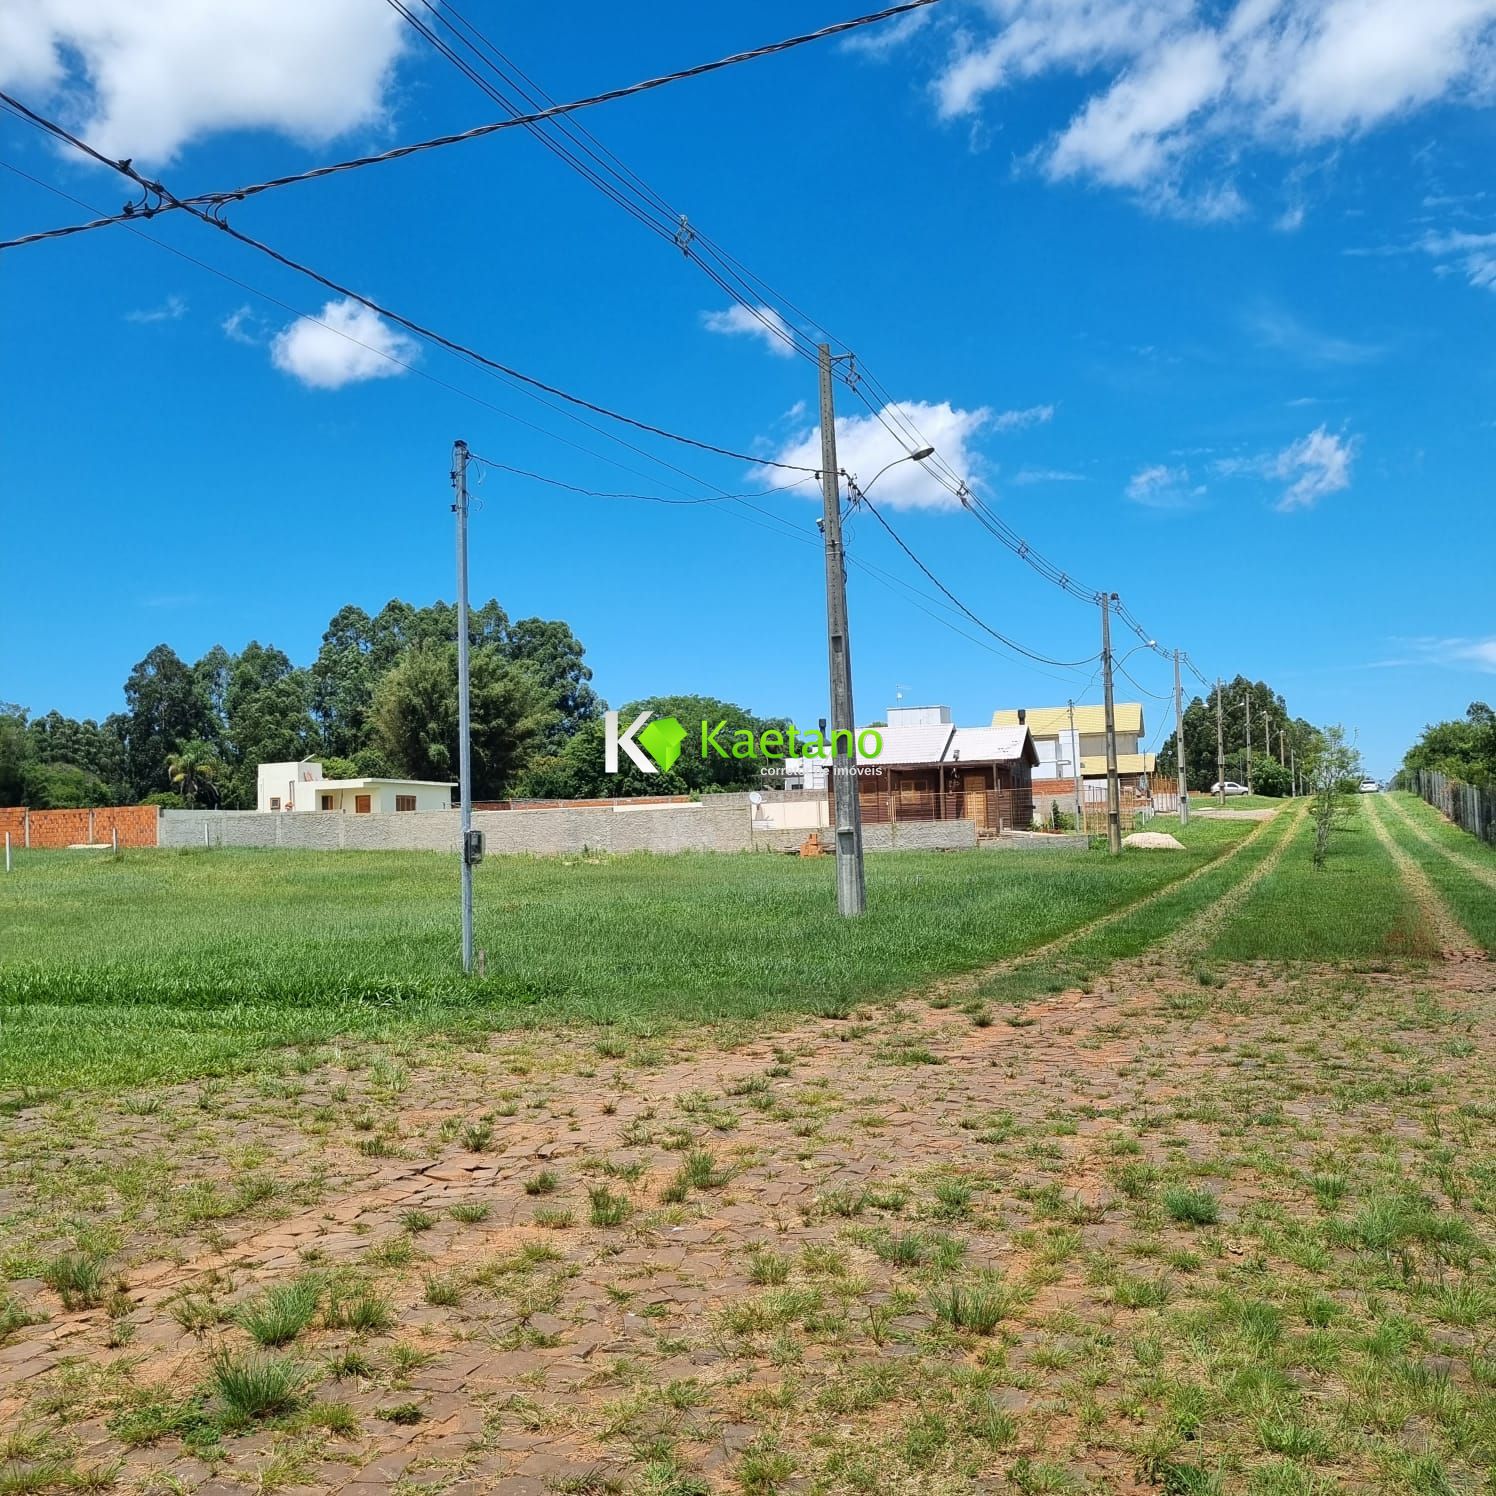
1220 742
464 710
1293 767
1080 788
1247 699
1184 792
1113 789
851 888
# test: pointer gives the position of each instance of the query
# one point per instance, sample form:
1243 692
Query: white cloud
346 344
1276 327
864 446
173 309
1456 653
240 326
761 322
1322 462
1018 420
884 40
1172 81
1026 476
1476 254
142 78
1478 652
1163 487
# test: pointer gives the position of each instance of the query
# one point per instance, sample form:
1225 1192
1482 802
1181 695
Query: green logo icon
661 738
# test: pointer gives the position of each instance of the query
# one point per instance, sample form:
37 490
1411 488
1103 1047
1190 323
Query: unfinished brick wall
67 828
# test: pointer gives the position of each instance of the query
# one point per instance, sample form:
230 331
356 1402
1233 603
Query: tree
1200 732
710 772
551 654
62 787
576 772
1330 776
1463 749
164 708
268 719
196 772
15 752
1269 777
414 716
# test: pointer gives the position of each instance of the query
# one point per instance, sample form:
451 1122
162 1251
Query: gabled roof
912 745
940 743
1051 721
984 745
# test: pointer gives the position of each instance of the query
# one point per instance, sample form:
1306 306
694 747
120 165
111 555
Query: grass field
1056 1174
176 963
1448 856
1355 908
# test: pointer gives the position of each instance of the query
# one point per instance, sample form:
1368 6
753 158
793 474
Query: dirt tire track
955 987
1483 874
1194 934
1455 943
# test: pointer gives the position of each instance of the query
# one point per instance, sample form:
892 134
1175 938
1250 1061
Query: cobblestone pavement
921 1249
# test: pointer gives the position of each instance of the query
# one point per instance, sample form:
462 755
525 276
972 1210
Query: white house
300 786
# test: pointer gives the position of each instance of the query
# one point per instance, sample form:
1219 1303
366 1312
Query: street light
918 456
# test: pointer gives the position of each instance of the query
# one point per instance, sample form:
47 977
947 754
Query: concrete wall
717 823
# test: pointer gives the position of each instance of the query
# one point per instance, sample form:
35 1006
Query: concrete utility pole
464 707
1184 793
1080 787
1247 699
1113 788
1293 767
851 888
1220 742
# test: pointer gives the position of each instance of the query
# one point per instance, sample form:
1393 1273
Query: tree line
1271 759
380 700
1463 748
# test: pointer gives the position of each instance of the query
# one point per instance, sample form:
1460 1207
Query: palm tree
194 768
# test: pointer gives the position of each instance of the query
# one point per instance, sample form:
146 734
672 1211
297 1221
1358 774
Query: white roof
985 744
358 784
921 744
940 743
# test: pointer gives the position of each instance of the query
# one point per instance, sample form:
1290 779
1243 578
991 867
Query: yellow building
1064 734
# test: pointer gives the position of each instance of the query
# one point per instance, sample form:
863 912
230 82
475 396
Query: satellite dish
754 798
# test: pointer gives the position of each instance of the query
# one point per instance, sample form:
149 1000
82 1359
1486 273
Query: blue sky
1202 300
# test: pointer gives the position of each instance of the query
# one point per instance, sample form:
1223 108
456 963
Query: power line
126 169
433 378
649 498
625 187
863 500
551 111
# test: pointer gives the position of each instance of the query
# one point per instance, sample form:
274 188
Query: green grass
169 964
1355 908
1138 928
1472 902
1201 800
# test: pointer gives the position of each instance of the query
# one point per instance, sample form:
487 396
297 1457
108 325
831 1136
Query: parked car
1231 787
1370 787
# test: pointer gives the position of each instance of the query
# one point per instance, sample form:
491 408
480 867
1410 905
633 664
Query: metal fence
1467 805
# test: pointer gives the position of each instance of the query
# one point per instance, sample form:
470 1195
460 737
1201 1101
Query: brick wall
136 824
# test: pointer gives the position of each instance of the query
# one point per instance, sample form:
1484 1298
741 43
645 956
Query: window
405 802
361 806
327 802
275 803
